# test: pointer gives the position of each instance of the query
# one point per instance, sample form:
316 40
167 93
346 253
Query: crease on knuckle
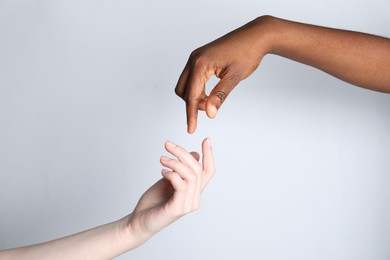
192 99
233 77
194 54
198 62
221 95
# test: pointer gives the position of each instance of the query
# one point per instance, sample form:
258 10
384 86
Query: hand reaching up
176 194
173 196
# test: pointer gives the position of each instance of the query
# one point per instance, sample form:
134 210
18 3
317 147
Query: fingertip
191 127
211 111
163 159
207 143
169 144
208 158
192 116
164 172
212 106
190 130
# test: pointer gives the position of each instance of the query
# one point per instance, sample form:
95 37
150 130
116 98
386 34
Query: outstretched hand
176 194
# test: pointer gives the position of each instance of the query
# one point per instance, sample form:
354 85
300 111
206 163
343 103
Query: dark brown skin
358 58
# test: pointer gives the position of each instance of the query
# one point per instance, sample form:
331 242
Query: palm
150 213
156 196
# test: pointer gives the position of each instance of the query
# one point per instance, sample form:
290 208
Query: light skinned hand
177 193
170 198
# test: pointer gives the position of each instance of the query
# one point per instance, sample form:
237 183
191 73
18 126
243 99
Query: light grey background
87 101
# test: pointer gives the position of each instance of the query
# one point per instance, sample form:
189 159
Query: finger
182 82
183 156
220 92
192 115
182 200
177 182
191 181
195 93
195 155
185 172
207 162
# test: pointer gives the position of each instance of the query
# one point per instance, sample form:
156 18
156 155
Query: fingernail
164 158
164 171
208 141
213 111
170 144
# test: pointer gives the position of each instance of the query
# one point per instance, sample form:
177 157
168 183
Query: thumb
219 94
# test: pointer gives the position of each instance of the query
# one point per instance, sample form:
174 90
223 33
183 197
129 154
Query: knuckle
183 187
194 54
198 169
198 62
195 207
221 95
178 92
192 177
192 99
233 77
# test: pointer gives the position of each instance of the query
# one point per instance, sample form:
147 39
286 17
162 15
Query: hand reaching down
358 58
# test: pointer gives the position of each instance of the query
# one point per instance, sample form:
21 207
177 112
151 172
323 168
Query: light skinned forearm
103 242
176 194
358 58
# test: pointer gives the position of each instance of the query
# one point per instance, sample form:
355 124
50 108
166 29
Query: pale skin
175 195
358 58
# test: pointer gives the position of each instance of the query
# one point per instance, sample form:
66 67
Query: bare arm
103 242
172 197
358 58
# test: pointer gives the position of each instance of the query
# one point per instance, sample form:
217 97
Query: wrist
272 32
266 32
133 231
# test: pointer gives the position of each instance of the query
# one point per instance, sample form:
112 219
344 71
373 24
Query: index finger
195 94
192 115
189 97
180 88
